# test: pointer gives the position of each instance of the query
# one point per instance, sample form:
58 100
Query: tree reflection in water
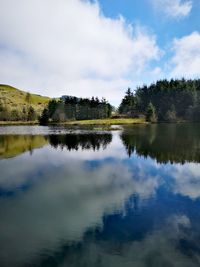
175 143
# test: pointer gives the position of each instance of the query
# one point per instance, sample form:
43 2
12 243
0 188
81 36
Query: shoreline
13 123
107 122
97 122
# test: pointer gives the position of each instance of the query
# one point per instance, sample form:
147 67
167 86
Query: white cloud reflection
71 191
66 198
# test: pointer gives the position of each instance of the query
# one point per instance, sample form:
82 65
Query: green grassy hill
15 104
14 98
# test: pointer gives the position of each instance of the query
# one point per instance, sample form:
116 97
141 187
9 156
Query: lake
71 197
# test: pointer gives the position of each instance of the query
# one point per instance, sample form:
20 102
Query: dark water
86 198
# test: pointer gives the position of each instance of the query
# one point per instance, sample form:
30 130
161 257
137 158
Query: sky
97 48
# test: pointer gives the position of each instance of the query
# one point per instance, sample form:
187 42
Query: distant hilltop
64 97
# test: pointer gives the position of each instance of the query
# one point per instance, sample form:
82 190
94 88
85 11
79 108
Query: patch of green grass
107 121
2 123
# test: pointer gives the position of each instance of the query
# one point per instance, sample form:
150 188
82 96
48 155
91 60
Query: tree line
74 108
169 101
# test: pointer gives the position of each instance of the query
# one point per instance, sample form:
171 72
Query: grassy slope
16 99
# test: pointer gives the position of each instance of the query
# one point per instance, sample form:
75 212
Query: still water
109 198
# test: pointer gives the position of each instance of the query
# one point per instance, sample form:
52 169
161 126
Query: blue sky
166 28
97 48
144 13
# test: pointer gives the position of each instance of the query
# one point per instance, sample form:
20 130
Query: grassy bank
84 122
107 121
18 123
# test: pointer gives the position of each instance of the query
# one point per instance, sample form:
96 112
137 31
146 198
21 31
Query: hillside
15 102
16 98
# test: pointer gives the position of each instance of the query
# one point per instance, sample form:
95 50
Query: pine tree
44 118
151 113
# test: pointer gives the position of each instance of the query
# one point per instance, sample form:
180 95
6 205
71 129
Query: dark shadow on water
84 141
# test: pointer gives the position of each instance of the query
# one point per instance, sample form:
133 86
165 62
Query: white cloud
186 59
156 71
173 8
161 247
70 47
187 180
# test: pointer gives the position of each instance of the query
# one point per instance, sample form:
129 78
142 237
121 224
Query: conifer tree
151 113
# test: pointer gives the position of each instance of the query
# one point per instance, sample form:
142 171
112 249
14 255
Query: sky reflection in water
123 198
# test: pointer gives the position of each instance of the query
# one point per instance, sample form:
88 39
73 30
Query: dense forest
73 108
170 101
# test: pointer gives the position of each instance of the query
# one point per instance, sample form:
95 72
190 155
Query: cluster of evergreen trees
73 108
164 101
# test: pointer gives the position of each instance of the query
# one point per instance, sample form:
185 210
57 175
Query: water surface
86 198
